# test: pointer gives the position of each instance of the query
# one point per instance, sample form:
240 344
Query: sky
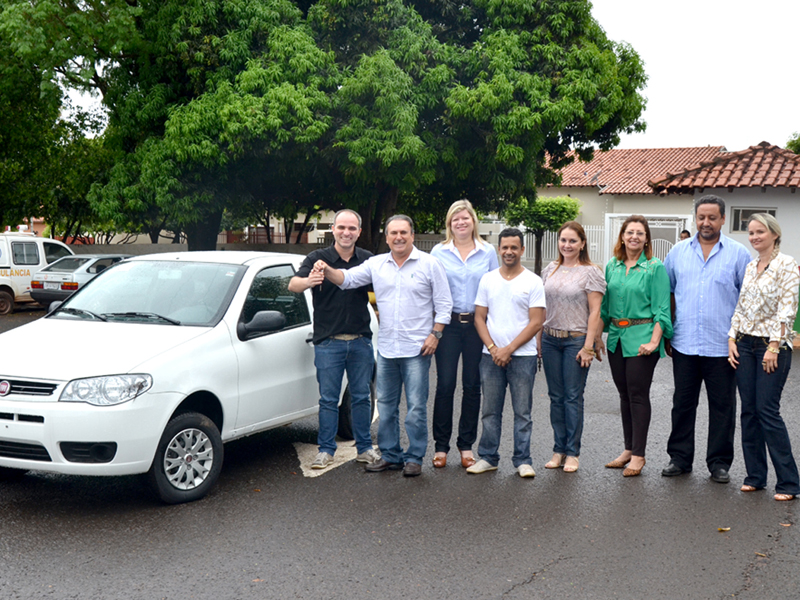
721 72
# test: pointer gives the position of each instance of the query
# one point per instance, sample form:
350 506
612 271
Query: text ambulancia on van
21 257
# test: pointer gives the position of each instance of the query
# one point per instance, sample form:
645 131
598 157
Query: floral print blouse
768 300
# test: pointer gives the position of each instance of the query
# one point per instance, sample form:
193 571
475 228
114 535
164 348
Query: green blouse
642 293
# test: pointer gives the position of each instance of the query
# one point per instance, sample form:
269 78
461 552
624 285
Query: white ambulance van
21 257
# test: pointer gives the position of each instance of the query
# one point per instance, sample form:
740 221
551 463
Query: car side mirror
263 322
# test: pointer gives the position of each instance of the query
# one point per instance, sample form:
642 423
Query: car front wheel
188 459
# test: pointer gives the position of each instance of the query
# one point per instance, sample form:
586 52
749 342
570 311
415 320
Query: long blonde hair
457 207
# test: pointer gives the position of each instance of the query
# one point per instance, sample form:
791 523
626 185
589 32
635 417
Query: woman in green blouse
636 314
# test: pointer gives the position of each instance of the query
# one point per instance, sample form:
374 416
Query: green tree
794 143
544 214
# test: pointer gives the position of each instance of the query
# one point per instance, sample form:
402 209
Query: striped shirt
706 292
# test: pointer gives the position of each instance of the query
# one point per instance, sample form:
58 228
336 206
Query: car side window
52 252
25 253
270 291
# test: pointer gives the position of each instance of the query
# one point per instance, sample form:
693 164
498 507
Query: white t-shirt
508 303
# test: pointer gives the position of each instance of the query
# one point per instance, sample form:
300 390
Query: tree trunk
203 234
302 230
376 216
537 259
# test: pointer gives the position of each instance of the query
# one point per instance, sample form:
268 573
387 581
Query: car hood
64 349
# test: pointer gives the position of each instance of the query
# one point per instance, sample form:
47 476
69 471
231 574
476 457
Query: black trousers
459 340
689 373
633 377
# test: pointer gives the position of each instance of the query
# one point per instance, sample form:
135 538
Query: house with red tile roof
762 178
662 184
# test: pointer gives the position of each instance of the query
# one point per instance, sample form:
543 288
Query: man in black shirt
342 339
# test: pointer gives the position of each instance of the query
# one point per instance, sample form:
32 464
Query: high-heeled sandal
571 465
634 472
618 463
555 462
440 460
749 488
784 497
467 459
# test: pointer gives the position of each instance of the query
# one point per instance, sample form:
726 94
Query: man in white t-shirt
509 312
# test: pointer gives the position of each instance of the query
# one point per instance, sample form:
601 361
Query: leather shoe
383 465
412 469
673 470
720 475
440 461
467 460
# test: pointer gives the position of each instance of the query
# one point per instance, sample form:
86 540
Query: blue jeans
566 380
763 428
393 375
459 340
332 358
518 375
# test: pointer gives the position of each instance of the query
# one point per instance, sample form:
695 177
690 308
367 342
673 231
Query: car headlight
106 391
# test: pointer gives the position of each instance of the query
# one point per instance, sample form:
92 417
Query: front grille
26 451
31 388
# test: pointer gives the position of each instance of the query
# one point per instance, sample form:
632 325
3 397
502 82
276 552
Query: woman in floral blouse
760 349
636 314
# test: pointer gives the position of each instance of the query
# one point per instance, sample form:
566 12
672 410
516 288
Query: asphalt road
266 531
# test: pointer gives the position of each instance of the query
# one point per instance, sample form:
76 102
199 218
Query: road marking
306 453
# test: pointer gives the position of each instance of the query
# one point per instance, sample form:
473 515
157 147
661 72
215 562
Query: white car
59 280
178 353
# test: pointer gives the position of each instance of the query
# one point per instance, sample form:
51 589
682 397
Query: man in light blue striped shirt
705 274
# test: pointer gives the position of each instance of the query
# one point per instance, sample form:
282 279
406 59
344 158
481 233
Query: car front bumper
31 433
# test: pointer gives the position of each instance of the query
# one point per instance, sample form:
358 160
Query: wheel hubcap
188 459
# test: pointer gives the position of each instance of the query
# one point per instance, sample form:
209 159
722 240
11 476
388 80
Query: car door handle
310 338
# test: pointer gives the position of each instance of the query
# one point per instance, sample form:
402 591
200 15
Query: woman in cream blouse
760 349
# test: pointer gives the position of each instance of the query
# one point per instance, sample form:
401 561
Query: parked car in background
22 255
59 280
180 352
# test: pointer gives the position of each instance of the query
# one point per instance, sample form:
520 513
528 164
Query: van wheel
188 459
6 302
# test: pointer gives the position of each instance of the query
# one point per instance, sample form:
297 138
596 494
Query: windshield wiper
81 311
150 316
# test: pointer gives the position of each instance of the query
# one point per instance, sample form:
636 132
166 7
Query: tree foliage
544 214
794 143
277 107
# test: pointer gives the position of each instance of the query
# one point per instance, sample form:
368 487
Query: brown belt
623 323
463 318
346 337
562 333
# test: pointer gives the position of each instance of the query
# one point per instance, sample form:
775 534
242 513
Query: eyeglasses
636 233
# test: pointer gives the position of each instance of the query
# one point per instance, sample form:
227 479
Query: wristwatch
436 334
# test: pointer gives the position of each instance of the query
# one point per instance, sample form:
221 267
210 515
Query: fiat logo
5 388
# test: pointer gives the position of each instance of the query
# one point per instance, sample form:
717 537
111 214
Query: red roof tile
764 165
629 171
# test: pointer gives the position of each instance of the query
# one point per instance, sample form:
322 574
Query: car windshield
162 292
66 265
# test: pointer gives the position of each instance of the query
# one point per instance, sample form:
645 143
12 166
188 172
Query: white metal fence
594 237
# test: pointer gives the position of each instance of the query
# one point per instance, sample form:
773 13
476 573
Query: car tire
178 476
9 474
6 303
346 414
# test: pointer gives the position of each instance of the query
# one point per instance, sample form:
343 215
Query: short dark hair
347 210
687 232
405 218
511 232
710 199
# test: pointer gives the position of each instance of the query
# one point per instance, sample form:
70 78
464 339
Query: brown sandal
467 460
784 497
440 460
749 488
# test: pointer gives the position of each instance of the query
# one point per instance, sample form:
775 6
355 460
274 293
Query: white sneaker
481 467
526 471
322 460
368 456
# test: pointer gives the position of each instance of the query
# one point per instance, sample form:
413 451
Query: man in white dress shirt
414 303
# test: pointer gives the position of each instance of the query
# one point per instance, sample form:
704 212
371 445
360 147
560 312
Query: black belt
463 318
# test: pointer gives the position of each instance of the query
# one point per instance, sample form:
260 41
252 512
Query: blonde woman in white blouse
760 349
